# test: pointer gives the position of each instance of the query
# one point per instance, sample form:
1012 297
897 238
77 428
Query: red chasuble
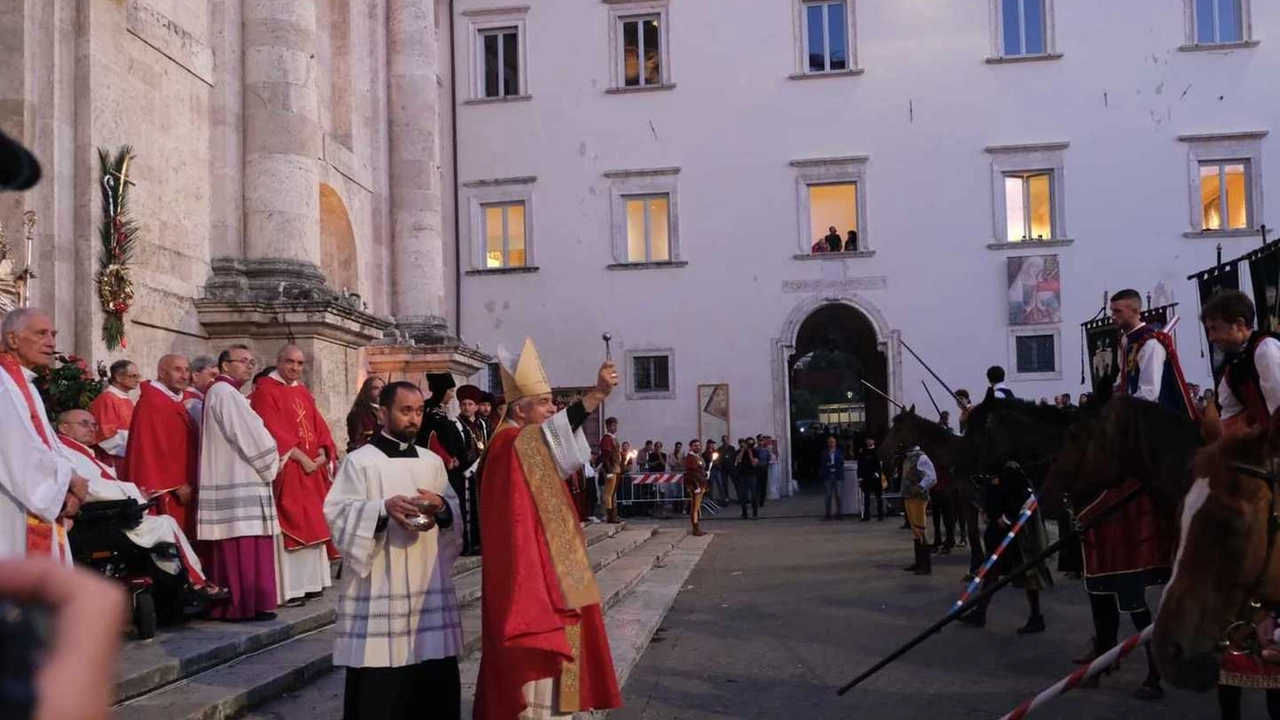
541 615
164 453
113 413
290 414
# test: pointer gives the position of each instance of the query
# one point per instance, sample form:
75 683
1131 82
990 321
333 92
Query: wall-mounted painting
1035 290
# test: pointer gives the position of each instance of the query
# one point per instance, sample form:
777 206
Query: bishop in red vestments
306 450
164 443
545 652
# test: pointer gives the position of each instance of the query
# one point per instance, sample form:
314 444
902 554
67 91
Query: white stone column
282 138
418 296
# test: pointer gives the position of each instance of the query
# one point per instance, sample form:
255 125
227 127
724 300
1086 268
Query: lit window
648 228
1023 28
1219 21
826 36
834 205
651 373
504 235
641 51
1028 206
1224 195
500 62
1035 354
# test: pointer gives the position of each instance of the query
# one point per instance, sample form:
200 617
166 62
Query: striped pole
1027 508
1071 681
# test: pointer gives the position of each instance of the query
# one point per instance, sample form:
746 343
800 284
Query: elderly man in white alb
235 511
76 429
38 486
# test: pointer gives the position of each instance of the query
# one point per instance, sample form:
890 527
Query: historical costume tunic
153 530
399 631
236 511
1249 391
1150 370
35 471
290 414
1128 552
1004 499
164 451
918 476
545 652
113 409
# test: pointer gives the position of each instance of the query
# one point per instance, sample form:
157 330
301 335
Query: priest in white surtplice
38 486
235 511
396 521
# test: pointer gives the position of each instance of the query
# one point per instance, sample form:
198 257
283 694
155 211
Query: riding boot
913 566
922 560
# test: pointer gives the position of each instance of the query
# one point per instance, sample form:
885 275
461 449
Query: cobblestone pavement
782 611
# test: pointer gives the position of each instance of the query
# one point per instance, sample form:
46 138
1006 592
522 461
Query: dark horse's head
1222 563
909 430
1122 439
1003 431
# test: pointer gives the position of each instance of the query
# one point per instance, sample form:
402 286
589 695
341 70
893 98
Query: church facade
291 179
666 172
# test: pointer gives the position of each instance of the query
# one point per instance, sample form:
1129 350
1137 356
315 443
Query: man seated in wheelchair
114 520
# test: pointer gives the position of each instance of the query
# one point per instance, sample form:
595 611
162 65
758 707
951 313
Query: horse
1119 439
1002 431
1225 572
910 429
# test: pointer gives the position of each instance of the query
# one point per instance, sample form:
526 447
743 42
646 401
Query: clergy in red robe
545 653
164 443
306 450
113 409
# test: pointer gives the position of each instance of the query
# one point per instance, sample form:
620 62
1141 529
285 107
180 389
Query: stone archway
338 257
828 345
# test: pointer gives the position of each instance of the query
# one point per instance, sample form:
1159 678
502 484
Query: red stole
39 532
164 452
530 630
77 447
290 415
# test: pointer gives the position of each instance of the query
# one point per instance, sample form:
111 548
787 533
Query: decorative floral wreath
117 235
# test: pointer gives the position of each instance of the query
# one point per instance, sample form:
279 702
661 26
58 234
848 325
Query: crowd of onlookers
739 471
833 243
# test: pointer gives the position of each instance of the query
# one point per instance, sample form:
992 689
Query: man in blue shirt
831 468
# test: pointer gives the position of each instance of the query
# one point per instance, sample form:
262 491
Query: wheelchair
98 541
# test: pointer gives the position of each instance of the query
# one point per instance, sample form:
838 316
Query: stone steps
637 589
212 670
201 646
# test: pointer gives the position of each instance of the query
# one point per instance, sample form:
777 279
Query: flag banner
1210 283
1264 275
1102 344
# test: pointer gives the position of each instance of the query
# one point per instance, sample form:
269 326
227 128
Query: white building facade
661 170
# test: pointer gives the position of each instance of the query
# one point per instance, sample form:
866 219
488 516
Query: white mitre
523 377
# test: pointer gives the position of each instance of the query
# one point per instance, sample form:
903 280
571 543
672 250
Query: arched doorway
337 242
836 348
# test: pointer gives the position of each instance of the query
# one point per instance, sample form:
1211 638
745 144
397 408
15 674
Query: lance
950 392
956 612
877 391
1073 680
935 402
1027 508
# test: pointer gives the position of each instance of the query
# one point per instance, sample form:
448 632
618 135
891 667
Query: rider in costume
1128 552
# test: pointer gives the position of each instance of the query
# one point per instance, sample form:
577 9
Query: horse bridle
1240 637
